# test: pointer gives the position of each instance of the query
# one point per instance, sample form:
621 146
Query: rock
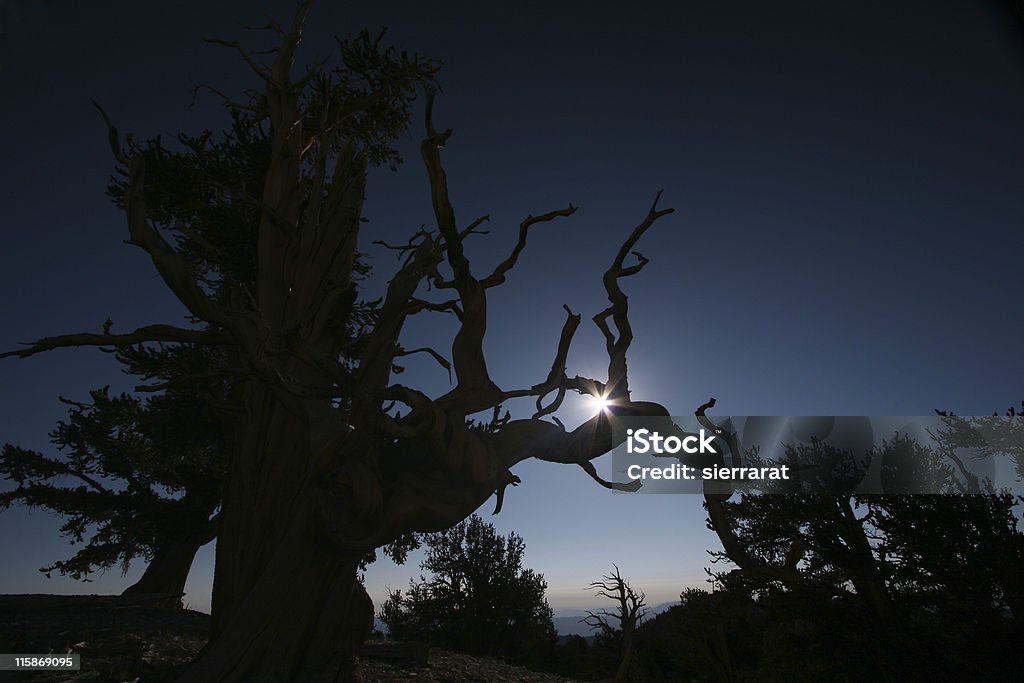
409 654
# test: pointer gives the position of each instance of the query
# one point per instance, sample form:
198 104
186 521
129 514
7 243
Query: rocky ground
122 641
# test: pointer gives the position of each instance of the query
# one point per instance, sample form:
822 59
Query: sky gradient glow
848 181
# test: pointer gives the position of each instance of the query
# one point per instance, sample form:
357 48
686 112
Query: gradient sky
848 181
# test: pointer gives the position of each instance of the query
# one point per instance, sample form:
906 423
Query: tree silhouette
934 561
988 437
323 468
837 542
140 478
957 555
478 599
619 624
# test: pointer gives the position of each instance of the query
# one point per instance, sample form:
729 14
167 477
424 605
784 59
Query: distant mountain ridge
569 622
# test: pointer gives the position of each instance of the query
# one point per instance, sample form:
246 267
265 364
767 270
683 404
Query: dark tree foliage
1000 435
793 635
960 557
929 584
147 470
478 598
700 639
134 477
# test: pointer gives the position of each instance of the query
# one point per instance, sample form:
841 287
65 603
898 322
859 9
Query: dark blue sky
848 179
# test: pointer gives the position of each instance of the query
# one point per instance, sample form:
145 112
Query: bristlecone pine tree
323 469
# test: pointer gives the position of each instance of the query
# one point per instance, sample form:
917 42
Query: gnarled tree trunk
167 572
303 619
184 532
287 604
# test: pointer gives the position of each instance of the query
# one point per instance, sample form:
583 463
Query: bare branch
437 356
400 248
474 390
500 491
381 344
176 273
634 269
543 410
629 611
556 376
471 229
259 69
271 25
724 434
443 210
653 214
226 99
149 333
113 138
629 487
498 276
450 306
618 311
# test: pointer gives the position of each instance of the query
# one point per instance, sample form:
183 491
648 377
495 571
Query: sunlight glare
598 404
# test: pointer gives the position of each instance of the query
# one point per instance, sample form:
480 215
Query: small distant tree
618 624
478 599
